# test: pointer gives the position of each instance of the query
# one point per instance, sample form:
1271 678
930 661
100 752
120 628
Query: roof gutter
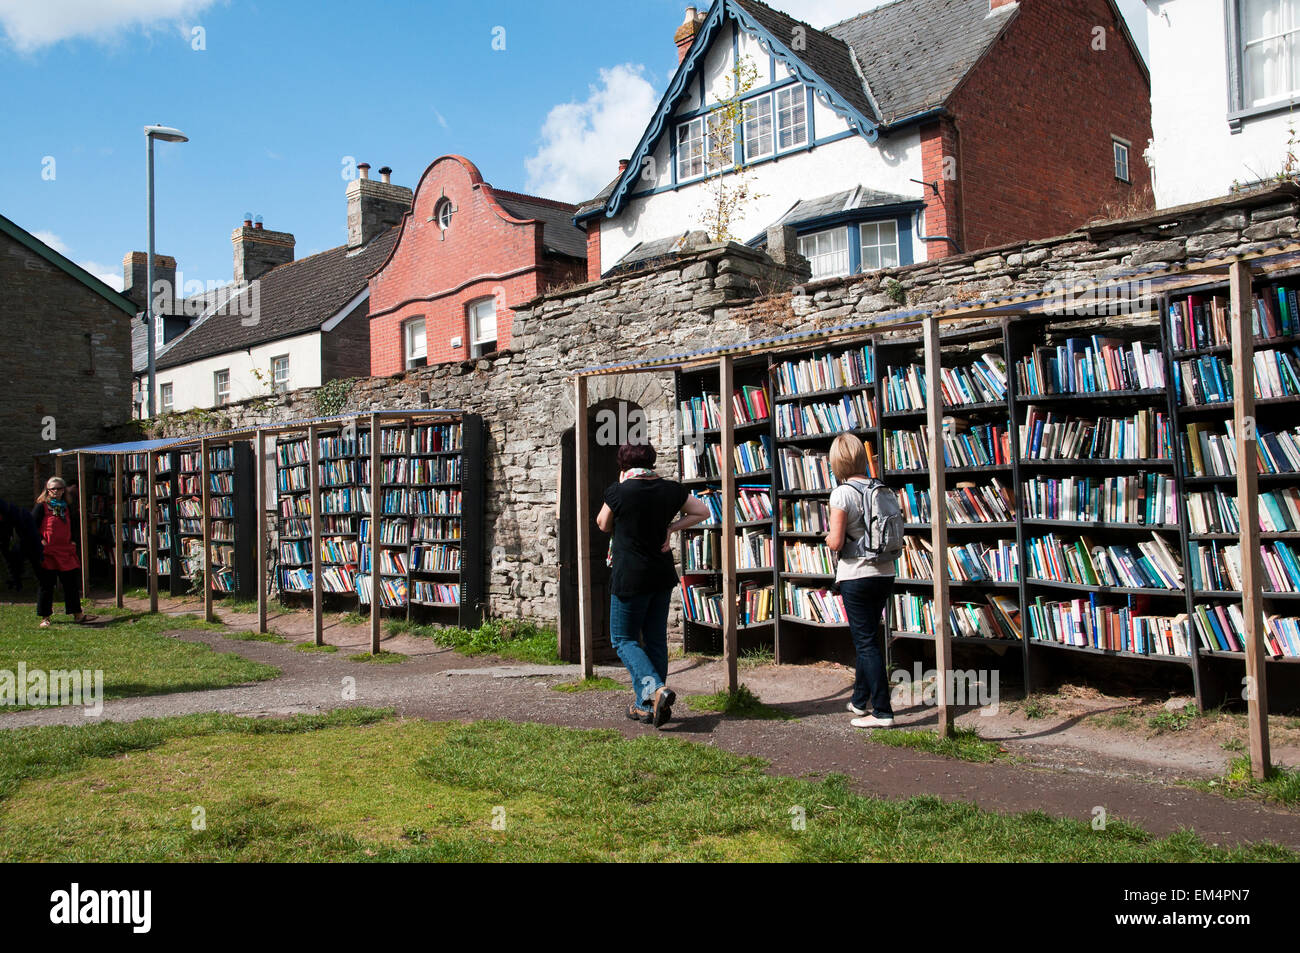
936 112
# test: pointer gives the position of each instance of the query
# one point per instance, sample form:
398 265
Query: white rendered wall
888 165
1195 156
193 385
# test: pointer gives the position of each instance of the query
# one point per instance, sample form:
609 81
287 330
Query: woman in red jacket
55 521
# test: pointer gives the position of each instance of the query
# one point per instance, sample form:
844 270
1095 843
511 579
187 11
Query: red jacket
57 539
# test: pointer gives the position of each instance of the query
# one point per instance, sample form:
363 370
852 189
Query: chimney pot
257 223
248 219
623 164
685 35
364 170
385 174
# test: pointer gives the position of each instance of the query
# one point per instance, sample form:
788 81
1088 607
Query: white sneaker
855 709
871 721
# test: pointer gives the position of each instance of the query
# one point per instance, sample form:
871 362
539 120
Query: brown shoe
663 705
637 713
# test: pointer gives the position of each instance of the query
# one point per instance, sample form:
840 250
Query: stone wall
714 296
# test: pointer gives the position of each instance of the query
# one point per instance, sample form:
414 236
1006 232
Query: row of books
749 404
1147 434
702 552
1152 564
805 470
334 550
393 592
392 532
981 382
703 604
752 456
421 502
1208 379
1215 566
805 516
292 479
392 562
430 527
978 446
1091 365
851 412
438 557
1089 624
223 483
1214 511
1145 498
434 593
1211 453
1197 322
812 604
333 579
968 562
807 558
968 503
998 618
850 368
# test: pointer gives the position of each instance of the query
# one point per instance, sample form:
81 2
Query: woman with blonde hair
57 524
865 577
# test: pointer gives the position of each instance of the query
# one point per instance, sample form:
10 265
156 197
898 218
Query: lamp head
166 134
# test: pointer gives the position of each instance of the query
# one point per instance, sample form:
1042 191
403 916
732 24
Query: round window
442 214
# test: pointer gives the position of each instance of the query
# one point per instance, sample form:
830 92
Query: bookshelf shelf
1114 653
1102 590
957 639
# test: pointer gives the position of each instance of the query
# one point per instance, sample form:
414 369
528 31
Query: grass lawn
965 744
743 703
510 639
358 785
597 683
129 647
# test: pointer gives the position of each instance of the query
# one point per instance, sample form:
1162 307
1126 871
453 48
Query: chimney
257 250
134 279
995 4
374 206
685 35
622 165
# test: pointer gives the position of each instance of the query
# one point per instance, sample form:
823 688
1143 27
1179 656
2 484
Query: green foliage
516 639
965 744
729 191
593 684
742 703
332 396
311 647
378 658
756 657
257 637
896 292
1034 707
1177 720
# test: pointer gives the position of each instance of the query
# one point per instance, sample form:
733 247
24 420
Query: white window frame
409 358
166 399
1242 102
687 159
826 262
279 386
159 331
221 394
1123 154
875 231
754 122
481 343
798 96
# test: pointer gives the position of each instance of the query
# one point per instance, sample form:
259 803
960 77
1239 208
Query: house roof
642 252
560 236
853 200
65 264
295 298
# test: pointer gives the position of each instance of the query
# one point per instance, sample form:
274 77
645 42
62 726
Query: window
879 245
1269 37
280 374
221 386
758 128
690 149
482 326
416 353
791 117
159 331
1121 160
442 213
165 398
827 252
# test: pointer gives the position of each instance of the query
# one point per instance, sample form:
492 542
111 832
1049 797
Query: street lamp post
166 134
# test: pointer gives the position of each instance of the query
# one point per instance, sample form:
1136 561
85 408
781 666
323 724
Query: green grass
593 684
312 647
1283 785
742 703
256 637
756 657
1036 707
354 619
129 647
965 744
244 606
1125 719
520 640
1179 720
381 658
358 785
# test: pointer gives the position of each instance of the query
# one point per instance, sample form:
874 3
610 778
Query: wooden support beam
313 489
150 464
376 488
259 518
58 465
582 457
938 524
83 519
730 642
1252 570
205 496
119 571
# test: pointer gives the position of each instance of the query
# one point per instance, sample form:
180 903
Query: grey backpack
883 521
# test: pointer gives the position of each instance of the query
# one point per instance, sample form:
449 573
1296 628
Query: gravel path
1065 773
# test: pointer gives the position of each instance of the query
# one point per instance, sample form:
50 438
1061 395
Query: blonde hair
45 493
848 457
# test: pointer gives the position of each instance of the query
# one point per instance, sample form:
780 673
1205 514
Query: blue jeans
638 629
864 603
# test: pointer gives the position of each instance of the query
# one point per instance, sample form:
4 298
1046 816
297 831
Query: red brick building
466 255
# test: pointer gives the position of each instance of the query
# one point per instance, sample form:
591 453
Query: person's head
848 457
55 489
633 455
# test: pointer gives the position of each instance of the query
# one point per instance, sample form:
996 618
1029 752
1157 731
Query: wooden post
58 465
83 515
586 611
150 463
38 484
730 647
205 494
938 523
313 489
1252 574
376 488
118 569
260 529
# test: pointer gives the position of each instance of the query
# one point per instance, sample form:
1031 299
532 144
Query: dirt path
1065 772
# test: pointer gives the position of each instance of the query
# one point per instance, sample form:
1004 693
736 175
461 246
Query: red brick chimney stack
685 35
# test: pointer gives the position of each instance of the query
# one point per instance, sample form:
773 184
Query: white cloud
581 142
33 24
109 276
54 241
442 120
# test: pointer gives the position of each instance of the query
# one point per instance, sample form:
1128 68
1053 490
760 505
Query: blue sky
277 96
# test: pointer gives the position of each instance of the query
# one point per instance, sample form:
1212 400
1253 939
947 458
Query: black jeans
71 579
864 603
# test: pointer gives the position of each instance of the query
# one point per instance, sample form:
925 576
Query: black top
643 511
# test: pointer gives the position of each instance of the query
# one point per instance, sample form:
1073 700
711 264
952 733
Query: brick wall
67 368
1034 123
436 274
